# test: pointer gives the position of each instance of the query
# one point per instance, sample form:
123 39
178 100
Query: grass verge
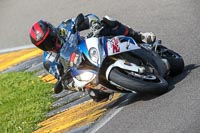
24 101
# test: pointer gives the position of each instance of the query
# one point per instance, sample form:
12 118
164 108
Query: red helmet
44 36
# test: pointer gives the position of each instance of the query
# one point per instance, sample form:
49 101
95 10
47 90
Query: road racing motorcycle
119 64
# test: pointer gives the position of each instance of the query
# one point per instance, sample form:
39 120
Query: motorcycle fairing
86 46
106 47
120 44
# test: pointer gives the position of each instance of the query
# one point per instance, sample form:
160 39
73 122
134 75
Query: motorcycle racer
53 41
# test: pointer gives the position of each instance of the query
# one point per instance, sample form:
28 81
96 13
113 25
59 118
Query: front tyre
147 83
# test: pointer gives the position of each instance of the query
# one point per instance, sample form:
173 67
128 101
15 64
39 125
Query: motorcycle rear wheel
175 60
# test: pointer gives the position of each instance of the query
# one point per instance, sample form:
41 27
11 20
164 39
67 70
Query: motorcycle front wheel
144 83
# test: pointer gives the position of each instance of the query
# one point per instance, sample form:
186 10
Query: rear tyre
175 60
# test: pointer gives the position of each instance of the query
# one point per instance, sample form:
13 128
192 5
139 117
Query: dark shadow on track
172 81
187 70
129 98
125 99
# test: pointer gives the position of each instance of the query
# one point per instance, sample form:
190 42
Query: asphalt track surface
175 22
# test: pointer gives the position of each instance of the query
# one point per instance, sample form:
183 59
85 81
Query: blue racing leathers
68 40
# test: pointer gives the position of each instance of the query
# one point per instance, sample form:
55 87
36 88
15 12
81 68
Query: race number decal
120 44
113 46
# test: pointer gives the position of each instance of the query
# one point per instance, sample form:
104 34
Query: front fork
126 66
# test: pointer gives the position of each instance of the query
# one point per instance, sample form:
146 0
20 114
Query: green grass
24 102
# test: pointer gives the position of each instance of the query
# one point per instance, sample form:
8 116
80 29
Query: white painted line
100 125
111 114
16 48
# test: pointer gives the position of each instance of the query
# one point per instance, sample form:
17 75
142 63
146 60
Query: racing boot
98 95
142 37
118 28
148 37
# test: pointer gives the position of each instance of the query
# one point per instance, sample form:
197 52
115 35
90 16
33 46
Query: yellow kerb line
48 78
75 117
10 59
